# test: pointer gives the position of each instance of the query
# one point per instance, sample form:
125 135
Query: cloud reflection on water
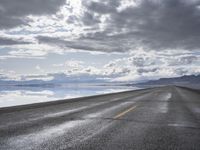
27 95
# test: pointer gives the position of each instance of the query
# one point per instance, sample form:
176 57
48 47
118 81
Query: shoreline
60 101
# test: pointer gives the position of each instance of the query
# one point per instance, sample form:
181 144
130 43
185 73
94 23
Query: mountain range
187 80
61 78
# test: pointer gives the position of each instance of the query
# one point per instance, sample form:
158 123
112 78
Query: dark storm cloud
102 8
153 24
90 19
12 12
64 43
82 44
7 41
146 70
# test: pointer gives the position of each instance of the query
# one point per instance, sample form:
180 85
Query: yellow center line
124 112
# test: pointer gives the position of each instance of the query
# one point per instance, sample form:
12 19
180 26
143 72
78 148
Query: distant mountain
187 80
58 79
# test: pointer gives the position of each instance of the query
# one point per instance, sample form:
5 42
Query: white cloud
43 77
9 75
126 4
70 64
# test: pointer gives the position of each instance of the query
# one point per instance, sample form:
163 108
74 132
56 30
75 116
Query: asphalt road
154 119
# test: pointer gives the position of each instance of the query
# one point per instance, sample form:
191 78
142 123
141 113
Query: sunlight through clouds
124 40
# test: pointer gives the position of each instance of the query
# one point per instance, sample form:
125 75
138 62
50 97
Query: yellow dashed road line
124 112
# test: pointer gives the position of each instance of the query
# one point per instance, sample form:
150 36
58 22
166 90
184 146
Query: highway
161 118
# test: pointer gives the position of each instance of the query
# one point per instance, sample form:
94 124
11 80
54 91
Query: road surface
154 119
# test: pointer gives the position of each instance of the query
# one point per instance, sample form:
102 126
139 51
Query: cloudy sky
115 40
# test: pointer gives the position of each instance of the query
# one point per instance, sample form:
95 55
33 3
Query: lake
20 95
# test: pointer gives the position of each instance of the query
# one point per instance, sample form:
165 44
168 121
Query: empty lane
157 118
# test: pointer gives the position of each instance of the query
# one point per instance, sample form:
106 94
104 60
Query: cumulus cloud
13 13
152 65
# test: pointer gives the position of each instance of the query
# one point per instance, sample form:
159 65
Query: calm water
12 96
